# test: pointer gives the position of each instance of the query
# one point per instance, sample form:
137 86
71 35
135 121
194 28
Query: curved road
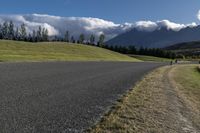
62 96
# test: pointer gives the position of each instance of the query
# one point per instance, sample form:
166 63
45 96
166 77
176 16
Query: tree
1 36
72 39
30 38
5 30
23 33
141 51
132 50
92 39
81 38
34 36
17 34
11 31
39 34
66 36
101 40
44 34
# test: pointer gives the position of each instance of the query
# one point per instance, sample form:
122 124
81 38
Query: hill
56 51
186 48
159 38
185 45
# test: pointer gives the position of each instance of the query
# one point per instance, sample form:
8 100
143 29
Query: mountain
158 38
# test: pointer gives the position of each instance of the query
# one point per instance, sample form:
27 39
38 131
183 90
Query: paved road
62 96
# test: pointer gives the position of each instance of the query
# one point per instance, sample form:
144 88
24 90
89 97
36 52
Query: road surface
62 96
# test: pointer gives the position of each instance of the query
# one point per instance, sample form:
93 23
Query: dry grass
155 105
140 111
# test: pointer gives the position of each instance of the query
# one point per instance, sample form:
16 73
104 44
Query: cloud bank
76 25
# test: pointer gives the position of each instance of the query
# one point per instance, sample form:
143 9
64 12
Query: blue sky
118 11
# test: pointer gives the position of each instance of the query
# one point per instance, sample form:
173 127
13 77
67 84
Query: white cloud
198 15
151 26
146 25
170 25
191 25
76 25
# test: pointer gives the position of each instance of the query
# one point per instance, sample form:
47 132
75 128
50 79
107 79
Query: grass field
188 77
150 58
56 51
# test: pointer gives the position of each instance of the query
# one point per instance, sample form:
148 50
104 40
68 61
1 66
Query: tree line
82 39
9 31
157 52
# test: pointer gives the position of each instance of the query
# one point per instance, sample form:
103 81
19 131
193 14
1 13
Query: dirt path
155 105
178 116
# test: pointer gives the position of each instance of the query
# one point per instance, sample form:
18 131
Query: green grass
150 58
188 76
56 51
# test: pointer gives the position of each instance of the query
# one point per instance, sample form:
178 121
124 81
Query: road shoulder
154 105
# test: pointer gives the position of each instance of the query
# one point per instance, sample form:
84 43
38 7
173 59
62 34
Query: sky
118 11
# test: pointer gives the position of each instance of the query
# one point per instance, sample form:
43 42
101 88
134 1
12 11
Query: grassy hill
185 45
56 51
188 49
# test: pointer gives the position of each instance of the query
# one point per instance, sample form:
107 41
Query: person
176 61
171 62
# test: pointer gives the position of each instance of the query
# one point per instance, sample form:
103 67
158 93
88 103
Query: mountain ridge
158 38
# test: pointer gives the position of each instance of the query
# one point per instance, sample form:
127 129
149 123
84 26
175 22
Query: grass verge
158 104
138 111
150 58
56 51
187 78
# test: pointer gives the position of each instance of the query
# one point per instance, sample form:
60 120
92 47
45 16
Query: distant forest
8 31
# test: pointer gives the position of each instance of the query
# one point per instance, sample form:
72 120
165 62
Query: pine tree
132 50
11 31
101 40
34 37
44 34
17 34
5 30
1 36
81 38
39 34
72 39
92 39
23 33
66 36
30 38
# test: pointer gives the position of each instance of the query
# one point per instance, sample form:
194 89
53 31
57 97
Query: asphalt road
62 97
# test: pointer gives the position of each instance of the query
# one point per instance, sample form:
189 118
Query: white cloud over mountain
151 26
76 25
